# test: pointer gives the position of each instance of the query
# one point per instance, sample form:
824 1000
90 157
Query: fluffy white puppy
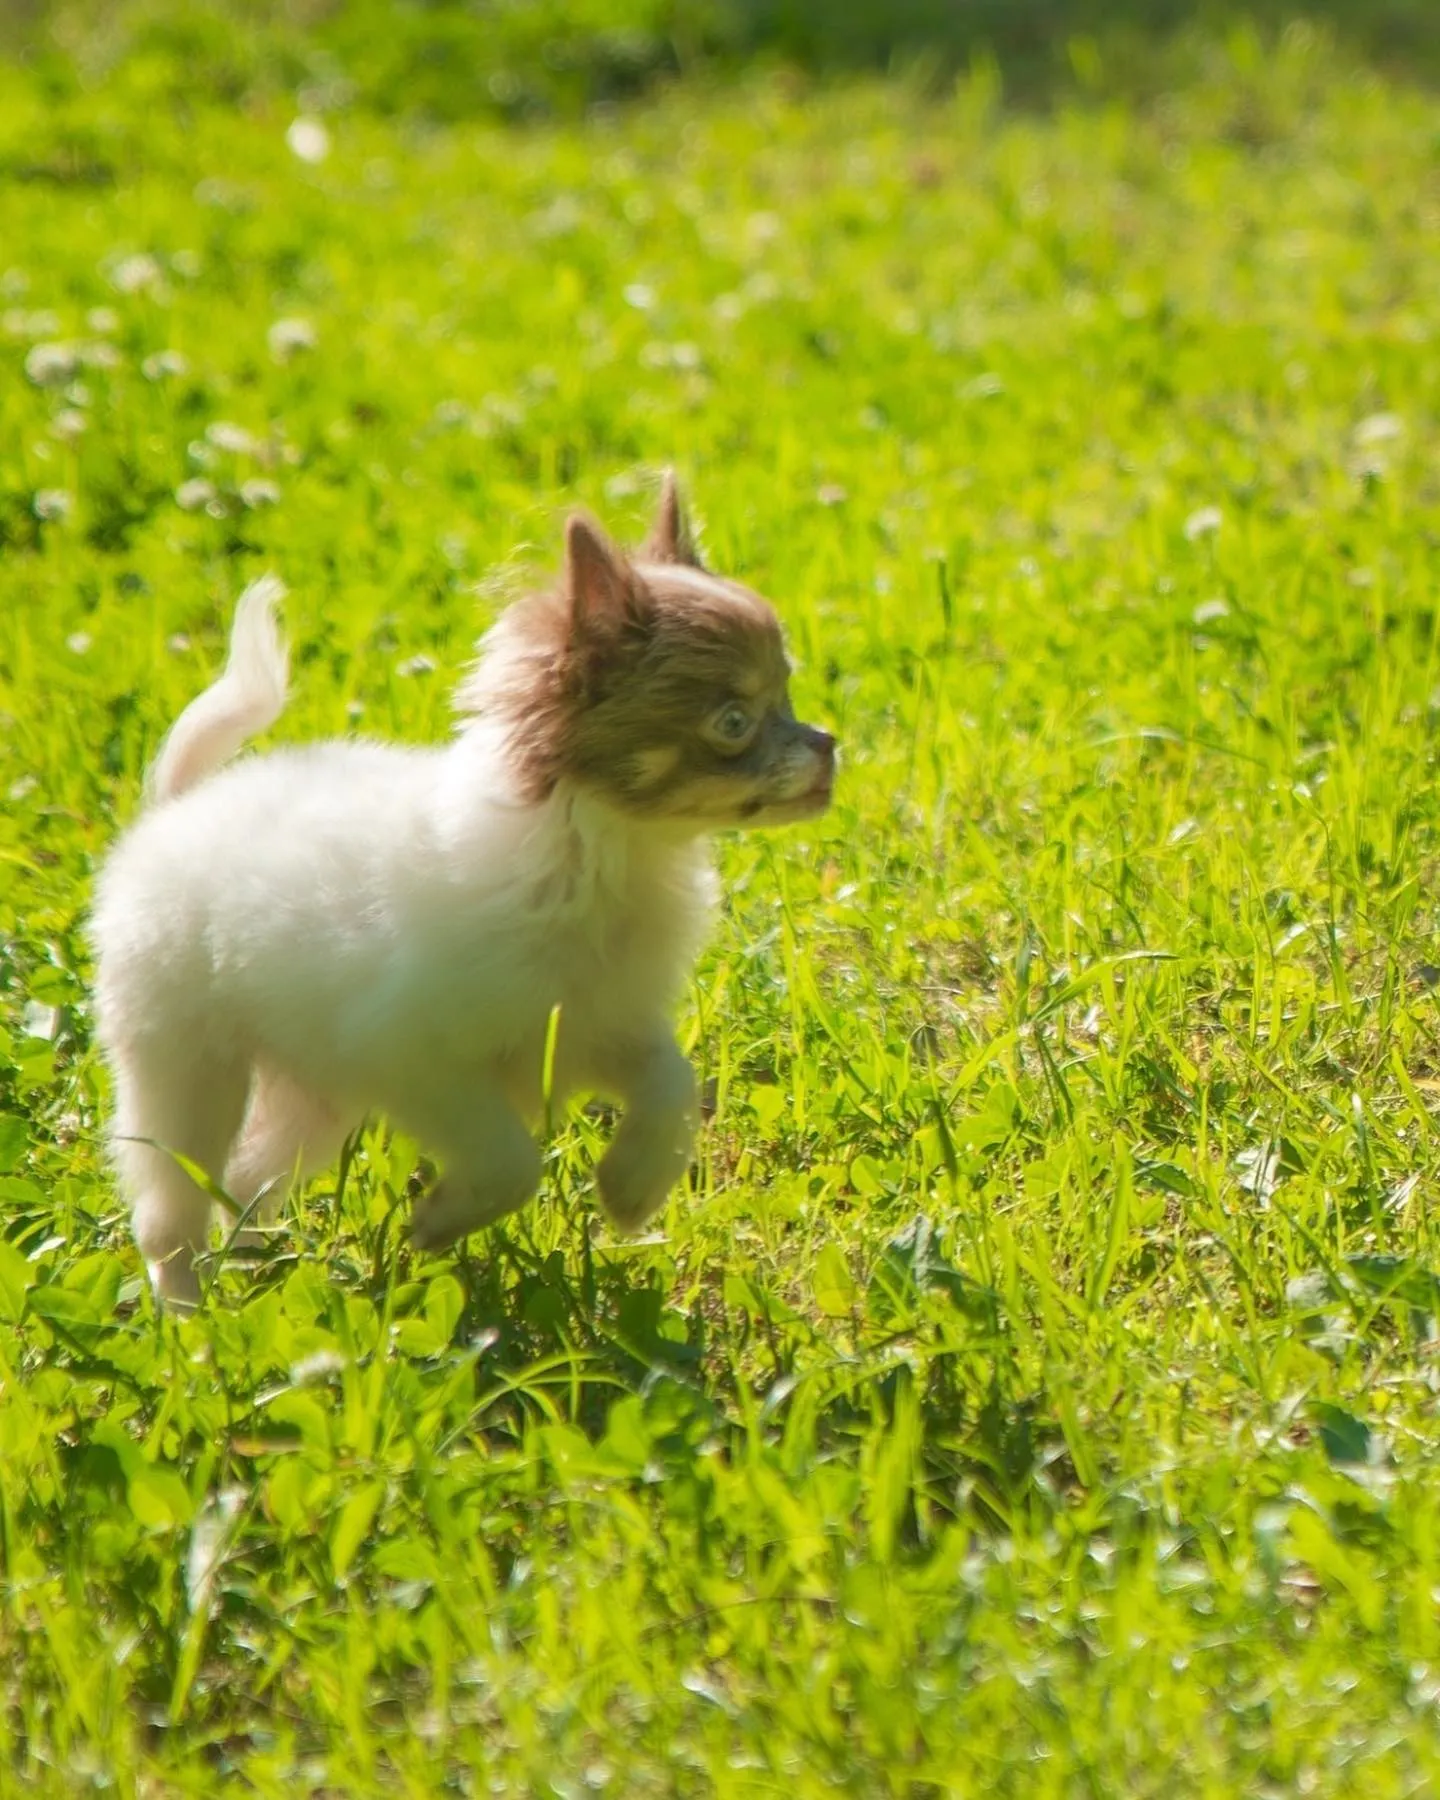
310 935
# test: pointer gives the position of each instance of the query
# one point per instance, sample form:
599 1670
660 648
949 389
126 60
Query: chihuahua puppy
310 935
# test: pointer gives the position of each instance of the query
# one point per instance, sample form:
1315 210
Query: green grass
1035 1394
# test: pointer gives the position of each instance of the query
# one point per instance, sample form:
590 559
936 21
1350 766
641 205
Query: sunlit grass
1034 1395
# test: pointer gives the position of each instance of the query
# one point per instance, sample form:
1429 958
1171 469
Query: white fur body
309 935
361 916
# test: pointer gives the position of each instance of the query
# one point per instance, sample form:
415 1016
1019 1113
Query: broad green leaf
418 1336
406 1559
1346 1438
14 1140
295 1494
158 1496
306 1412
835 1288
17 1276
98 1279
767 1102
1398 1278
867 1176
444 1303
351 1524
68 1307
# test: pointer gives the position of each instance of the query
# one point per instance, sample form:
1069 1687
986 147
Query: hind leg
287 1134
171 1099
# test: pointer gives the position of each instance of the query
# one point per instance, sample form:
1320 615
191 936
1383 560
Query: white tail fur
249 696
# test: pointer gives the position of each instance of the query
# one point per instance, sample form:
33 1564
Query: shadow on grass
1031 40
453 59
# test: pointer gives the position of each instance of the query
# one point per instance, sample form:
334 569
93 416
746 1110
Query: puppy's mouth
818 795
778 808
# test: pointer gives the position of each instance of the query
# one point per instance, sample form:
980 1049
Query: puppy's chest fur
595 920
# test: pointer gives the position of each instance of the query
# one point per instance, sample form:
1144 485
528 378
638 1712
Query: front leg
652 1148
492 1164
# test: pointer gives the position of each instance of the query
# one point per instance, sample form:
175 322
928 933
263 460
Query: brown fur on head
654 684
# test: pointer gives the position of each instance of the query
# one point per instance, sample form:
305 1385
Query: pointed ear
670 540
603 589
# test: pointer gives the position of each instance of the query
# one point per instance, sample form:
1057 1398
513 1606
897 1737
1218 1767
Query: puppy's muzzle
811 768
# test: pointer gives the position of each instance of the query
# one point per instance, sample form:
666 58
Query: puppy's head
660 687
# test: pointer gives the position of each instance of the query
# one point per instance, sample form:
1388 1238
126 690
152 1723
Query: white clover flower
1379 428
228 196
78 642
19 323
420 664
308 139
288 337
103 319
260 492
52 503
191 495
562 216
640 296
162 364
225 436
51 365
136 274
69 423
1205 521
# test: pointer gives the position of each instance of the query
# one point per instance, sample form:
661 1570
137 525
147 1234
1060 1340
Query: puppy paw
635 1177
176 1282
453 1209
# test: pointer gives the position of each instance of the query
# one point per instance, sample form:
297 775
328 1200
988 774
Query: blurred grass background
452 59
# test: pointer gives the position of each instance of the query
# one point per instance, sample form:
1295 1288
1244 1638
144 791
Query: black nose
820 742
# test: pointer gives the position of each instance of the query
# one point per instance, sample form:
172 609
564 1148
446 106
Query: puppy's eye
732 726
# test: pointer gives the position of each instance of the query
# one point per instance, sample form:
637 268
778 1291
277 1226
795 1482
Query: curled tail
249 696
